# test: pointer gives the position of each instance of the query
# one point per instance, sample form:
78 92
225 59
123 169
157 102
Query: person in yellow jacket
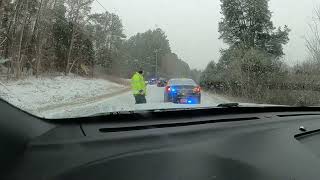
139 87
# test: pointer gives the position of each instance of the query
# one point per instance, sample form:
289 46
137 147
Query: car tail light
168 89
197 89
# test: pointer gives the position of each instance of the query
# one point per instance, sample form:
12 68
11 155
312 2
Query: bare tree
78 9
313 41
19 58
37 35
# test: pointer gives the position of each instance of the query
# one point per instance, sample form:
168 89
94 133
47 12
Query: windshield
76 58
182 82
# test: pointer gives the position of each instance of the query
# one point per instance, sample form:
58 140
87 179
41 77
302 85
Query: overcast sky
192 25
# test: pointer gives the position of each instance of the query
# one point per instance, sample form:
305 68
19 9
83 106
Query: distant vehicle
152 81
182 91
162 83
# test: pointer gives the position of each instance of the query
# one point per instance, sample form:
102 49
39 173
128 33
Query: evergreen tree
247 23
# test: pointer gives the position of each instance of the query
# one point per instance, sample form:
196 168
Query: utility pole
156 64
157 51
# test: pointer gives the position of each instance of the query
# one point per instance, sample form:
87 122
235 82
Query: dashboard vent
307 134
293 115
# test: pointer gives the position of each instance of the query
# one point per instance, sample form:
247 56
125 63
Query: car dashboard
278 143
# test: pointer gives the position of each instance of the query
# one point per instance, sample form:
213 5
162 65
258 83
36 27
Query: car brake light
168 89
197 90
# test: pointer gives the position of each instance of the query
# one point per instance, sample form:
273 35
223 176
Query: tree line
151 52
252 68
46 36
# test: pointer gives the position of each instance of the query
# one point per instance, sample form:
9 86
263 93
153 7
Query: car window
182 82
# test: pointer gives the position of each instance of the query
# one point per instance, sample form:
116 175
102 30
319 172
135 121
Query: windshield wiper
228 105
225 105
148 111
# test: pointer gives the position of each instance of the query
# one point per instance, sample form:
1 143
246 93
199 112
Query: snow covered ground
35 95
125 102
68 97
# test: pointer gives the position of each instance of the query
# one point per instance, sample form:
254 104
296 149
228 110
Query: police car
182 91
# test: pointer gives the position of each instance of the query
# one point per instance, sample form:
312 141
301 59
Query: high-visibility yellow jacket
138 84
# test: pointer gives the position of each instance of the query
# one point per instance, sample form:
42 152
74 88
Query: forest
64 36
252 68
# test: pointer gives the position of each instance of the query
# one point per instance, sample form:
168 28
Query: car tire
166 99
199 100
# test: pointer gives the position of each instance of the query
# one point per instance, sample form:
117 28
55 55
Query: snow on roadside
125 102
32 93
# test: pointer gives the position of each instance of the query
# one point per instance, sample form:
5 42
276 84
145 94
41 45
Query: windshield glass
76 58
181 82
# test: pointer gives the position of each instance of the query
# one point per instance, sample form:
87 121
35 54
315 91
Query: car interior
215 143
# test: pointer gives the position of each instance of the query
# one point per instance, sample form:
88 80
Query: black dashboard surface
248 146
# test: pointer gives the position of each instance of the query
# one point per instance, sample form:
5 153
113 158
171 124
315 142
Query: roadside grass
276 97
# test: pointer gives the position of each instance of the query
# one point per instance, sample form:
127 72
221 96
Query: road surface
125 102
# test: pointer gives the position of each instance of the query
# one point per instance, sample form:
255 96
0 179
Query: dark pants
140 99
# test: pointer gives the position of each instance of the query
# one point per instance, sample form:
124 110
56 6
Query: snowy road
125 102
